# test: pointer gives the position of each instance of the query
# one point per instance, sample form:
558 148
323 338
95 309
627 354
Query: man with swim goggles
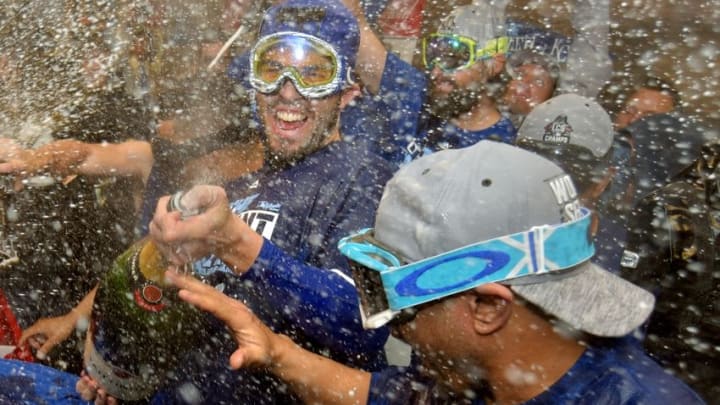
390 286
447 105
311 64
301 72
265 233
451 52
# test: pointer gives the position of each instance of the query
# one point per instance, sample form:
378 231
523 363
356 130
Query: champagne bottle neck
151 262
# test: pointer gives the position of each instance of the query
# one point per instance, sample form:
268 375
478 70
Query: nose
435 72
288 91
519 88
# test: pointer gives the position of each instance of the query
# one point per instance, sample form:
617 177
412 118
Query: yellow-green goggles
310 63
452 52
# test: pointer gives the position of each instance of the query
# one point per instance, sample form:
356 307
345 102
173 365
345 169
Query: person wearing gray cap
448 105
577 133
484 269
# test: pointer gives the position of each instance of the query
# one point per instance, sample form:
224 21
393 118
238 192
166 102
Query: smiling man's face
295 125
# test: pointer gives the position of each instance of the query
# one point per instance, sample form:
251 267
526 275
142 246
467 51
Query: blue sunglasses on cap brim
388 285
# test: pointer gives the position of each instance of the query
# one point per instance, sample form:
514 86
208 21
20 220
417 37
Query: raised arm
588 66
372 52
316 379
68 157
129 158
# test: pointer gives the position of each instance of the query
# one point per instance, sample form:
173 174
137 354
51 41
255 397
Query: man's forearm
85 307
130 158
239 245
317 379
372 54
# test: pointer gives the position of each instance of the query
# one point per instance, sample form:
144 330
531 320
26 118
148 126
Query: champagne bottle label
146 292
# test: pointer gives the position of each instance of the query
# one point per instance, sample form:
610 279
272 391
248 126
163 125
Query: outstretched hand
47 333
256 342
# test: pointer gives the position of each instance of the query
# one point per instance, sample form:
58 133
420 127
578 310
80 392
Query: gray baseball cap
481 22
455 198
570 119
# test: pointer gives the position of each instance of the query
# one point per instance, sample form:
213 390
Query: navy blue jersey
441 135
302 212
614 371
31 383
412 132
299 284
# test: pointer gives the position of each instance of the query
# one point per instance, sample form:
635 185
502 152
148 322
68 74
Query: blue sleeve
322 303
31 383
400 385
402 93
356 211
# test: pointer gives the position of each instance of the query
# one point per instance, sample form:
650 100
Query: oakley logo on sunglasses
489 262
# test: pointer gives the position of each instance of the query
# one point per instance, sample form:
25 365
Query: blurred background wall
675 39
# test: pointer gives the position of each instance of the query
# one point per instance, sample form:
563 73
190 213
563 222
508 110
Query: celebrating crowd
472 228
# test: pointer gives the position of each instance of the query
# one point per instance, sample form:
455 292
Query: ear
491 307
349 94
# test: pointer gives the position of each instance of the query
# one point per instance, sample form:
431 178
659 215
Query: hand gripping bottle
139 329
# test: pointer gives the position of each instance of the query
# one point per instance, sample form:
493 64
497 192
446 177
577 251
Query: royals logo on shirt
261 217
261 221
558 131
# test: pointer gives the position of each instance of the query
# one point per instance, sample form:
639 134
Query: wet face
443 355
456 93
642 103
531 86
295 125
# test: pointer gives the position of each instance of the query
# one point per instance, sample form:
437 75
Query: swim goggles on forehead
452 52
388 285
310 63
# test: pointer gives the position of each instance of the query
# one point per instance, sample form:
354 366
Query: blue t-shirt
299 284
442 135
408 131
611 371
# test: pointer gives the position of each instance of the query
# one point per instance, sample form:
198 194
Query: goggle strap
349 76
568 245
537 248
501 45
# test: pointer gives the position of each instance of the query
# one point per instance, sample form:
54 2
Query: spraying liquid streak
226 46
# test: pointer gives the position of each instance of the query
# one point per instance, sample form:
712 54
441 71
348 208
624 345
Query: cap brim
591 299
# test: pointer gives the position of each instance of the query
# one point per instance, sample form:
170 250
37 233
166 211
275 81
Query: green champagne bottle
139 327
